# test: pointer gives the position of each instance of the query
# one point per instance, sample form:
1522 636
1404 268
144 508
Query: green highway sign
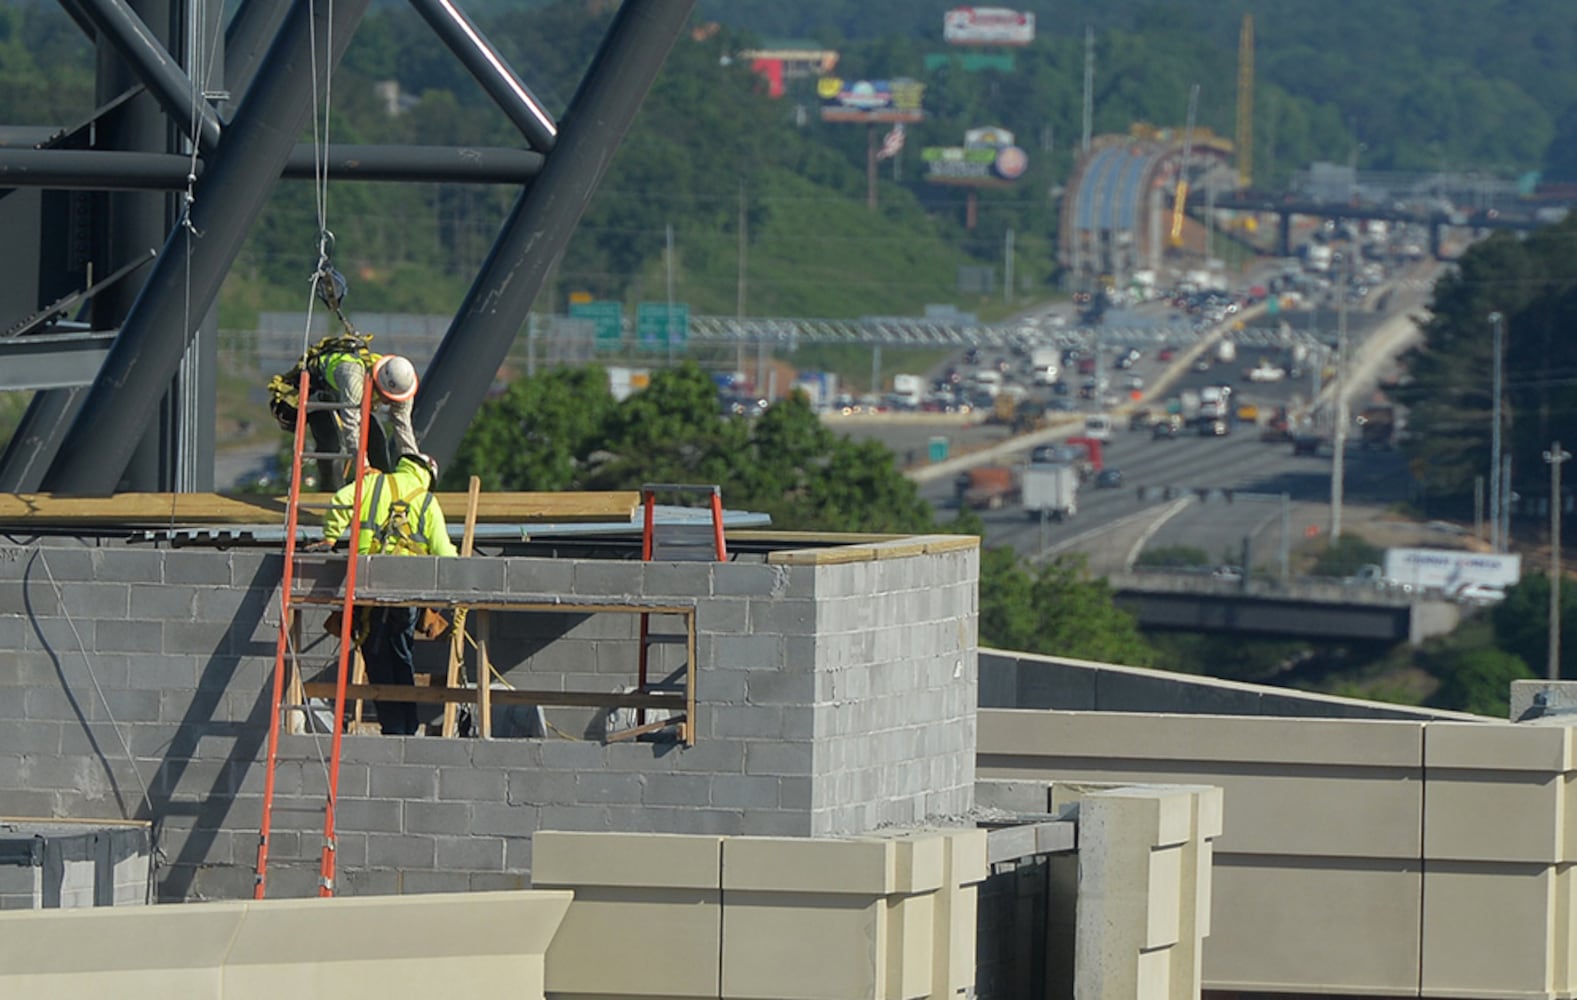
609 320
661 324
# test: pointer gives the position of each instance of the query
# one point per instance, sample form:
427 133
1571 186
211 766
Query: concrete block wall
135 682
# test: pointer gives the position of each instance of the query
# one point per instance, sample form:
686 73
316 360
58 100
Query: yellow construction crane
1180 196
1245 132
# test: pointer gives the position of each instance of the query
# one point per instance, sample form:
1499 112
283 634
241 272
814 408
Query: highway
1114 525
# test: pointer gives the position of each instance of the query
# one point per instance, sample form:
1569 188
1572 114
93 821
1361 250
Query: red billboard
987 26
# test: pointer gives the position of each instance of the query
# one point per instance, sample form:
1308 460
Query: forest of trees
1408 85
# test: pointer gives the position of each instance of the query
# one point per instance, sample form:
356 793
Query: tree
537 435
1056 610
1343 556
1522 623
1479 681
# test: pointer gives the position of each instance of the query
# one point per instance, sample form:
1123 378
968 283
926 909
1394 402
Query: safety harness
284 390
399 533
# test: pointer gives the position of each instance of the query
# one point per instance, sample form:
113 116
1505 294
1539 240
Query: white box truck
1045 362
1448 570
1051 489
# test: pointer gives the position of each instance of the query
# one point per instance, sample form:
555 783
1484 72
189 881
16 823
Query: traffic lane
1156 472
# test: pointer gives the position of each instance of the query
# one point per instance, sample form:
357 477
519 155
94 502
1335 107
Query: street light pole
1339 459
1496 542
1555 457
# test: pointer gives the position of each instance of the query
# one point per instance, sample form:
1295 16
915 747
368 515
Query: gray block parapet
836 694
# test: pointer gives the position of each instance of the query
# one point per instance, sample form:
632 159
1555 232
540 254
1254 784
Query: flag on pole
892 143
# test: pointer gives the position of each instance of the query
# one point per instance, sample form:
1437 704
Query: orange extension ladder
285 652
691 542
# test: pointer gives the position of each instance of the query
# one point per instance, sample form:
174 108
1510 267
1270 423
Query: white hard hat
425 460
395 377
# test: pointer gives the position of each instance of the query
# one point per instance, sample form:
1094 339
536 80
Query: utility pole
1496 542
739 305
1007 268
669 255
1339 457
1286 537
1089 85
1555 457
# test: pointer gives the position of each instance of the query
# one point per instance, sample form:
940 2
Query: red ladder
689 542
286 648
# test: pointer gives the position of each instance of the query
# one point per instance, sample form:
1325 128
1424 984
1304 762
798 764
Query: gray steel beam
35 442
491 71
180 98
246 43
118 170
51 360
186 279
544 216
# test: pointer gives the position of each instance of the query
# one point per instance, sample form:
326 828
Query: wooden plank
672 700
457 630
568 607
166 509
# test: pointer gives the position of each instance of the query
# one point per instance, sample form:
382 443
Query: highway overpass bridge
1301 608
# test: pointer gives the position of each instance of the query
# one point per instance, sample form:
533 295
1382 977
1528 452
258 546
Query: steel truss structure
125 225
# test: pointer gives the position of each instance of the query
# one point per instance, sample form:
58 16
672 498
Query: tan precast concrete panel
451 943
1487 931
304 949
1298 924
1305 808
804 946
670 861
1494 816
1166 893
176 952
862 867
1498 748
1132 735
911 939
647 916
1480 775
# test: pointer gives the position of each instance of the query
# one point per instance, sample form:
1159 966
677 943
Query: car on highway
1169 426
1139 419
1478 595
1109 479
1217 427
1265 372
1229 574
1166 353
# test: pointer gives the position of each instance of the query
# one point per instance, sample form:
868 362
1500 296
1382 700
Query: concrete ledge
464 944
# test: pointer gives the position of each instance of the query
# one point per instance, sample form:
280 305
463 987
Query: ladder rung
328 454
316 405
667 639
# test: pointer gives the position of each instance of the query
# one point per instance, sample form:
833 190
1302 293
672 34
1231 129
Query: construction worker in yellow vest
342 376
338 369
399 515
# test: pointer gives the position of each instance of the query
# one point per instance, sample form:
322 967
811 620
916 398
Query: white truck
908 390
1226 352
1447 571
1044 362
1051 490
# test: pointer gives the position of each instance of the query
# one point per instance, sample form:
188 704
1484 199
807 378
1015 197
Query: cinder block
404 782
494 819
128 565
745 792
369 815
199 568
749 580
470 853
609 579
436 817
470 576
677 580
539 576
485 784
773 757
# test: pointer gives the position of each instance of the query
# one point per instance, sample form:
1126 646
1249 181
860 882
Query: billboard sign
864 101
987 26
989 156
